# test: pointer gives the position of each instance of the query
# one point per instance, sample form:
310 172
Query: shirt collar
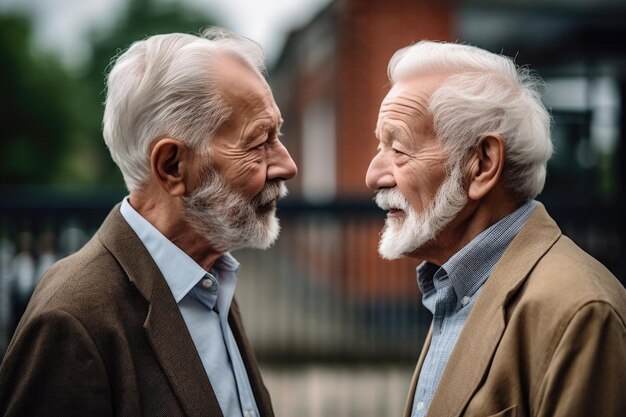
180 271
425 273
470 267
227 262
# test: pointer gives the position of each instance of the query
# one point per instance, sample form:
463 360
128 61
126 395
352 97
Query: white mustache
391 198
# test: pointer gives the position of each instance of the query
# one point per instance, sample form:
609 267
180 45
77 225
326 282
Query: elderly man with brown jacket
142 320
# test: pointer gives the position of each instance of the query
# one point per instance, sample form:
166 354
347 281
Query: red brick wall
370 31
367 33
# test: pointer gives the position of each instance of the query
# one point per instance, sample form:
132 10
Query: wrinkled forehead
404 101
407 101
403 108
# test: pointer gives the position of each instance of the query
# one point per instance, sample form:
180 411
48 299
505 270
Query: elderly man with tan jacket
525 323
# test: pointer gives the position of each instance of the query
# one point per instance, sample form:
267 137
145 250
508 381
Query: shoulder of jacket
567 278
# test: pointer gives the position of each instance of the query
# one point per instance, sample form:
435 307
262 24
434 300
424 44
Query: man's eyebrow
254 134
260 129
390 133
266 126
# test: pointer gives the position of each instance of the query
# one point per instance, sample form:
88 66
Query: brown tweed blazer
103 336
545 338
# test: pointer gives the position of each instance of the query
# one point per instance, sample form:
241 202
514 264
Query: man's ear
486 167
170 161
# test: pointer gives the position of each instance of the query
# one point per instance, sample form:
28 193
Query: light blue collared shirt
204 300
450 291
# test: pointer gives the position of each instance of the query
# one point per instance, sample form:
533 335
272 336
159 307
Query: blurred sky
62 25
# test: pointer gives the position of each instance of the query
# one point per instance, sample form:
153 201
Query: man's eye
397 152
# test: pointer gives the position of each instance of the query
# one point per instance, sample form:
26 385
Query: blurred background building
337 330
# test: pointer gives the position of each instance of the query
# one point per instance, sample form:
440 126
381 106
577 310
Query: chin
270 230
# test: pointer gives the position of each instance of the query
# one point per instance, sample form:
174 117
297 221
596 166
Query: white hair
483 93
164 86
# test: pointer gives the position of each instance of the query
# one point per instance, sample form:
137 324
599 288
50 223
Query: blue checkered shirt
450 292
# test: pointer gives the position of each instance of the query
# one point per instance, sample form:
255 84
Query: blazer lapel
483 329
261 395
164 325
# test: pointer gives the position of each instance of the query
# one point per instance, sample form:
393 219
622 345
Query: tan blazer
102 336
546 336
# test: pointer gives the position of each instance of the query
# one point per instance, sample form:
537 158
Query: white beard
401 237
228 221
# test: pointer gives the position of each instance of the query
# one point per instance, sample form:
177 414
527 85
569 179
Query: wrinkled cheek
420 194
248 180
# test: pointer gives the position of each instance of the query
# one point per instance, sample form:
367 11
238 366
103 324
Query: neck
472 220
166 214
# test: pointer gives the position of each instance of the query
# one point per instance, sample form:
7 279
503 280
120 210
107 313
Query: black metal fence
320 294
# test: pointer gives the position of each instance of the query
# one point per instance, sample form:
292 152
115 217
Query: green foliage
36 119
51 118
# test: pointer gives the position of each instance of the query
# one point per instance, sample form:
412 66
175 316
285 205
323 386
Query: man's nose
280 165
379 174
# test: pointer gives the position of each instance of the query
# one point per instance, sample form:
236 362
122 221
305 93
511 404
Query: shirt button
248 413
465 300
420 405
207 283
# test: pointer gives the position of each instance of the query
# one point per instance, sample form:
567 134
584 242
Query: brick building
331 77
330 81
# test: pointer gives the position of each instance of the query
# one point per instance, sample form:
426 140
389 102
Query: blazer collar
164 325
461 378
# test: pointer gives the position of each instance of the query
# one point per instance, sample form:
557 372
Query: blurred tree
51 117
37 120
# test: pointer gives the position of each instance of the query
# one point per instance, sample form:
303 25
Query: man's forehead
405 105
243 88
405 101
237 80
402 104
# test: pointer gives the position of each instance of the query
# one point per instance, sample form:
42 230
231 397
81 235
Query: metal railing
330 321
321 293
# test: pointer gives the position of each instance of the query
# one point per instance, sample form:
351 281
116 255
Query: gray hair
164 86
483 93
